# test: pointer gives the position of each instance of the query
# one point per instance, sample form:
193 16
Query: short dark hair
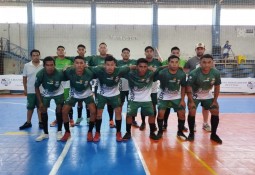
149 47
79 57
48 58
175 48
34 50
81 45
125 49
110 58
141 60
102 43
61 47
172 57
206 56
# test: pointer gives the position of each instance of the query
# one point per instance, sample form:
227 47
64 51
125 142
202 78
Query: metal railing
13 50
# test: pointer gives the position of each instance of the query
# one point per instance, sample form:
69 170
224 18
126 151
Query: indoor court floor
21 154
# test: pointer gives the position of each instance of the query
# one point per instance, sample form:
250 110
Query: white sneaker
59 135
42 137
206 127
195 127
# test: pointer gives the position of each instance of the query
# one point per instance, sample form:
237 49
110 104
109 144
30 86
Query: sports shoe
88 120
71 123
142 127
160 134
134 124
195 127
59 135
41 125
66 136
181 136
54 123
25 126
118 137
42 137
191 137
78 121
111 123
206 127
185 129
96 137
153 136
89 137
216 138
127 136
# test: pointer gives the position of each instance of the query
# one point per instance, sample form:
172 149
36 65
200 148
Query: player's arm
25 85
183 92
38 83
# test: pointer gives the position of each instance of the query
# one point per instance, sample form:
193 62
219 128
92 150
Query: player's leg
191 119
100 102
206 126
132 109
92 108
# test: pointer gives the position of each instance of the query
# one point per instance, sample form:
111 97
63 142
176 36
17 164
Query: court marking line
61 158
146 169
198 158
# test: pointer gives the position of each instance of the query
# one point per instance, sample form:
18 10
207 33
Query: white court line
138 151
146 169
61 158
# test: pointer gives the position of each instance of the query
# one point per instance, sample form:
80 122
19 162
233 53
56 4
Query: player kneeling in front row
50 78
171 94
80 78
200 84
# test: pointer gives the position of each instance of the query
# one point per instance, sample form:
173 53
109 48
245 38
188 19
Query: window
13 14
131 16
237 17
184 16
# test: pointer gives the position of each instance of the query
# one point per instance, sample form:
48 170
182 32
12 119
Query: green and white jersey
123 81
51 83
170 84
182 62
30 71
95 60
154 63
108 83
60 65
140 87
202 84
80 85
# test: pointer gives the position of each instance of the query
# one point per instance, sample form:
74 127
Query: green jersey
51 83
80 85
182 62
60 65
123 81
154 63
108 83
140 87
202 84
95 60
170 84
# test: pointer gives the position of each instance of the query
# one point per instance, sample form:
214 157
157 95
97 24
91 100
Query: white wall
48 37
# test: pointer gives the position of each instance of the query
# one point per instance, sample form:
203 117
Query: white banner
243 85
11 82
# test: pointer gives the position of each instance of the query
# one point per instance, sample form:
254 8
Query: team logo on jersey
50 82
173 80
148 80
56 83
86 83
208 79
109 78
178 81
